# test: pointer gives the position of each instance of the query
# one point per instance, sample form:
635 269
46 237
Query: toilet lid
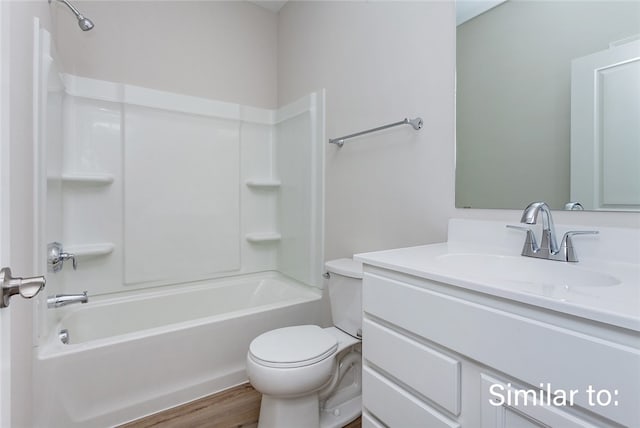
293 346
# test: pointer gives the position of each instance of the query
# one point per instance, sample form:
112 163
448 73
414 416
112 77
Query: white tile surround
173 188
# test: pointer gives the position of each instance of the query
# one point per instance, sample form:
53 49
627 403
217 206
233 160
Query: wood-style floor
237 407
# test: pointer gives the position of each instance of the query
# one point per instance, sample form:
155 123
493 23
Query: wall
223 50
379 62
391 189
513 96
19 16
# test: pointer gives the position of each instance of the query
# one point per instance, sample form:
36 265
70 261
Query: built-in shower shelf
264 184
88 179
91 250
263 237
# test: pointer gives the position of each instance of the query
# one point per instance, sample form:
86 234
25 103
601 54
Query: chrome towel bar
416 123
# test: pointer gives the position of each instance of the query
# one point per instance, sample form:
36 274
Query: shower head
84 23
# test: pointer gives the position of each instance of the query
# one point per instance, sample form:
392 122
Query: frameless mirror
548 104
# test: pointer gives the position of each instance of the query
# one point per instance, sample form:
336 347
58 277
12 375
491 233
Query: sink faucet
530 216
58 300
548 248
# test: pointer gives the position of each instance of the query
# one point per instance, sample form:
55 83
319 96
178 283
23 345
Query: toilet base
343 406
304 412
332 405
342 414
289 412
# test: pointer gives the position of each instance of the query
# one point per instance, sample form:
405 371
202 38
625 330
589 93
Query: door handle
26 287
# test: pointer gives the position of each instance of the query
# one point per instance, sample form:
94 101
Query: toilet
311 376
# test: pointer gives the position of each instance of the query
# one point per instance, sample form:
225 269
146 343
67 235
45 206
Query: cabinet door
503 408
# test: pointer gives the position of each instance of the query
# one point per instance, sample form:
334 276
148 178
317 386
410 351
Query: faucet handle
530 243
567 244
566 239
56 257
513 226
68 256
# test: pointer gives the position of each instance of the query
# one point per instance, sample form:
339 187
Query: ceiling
469 9
465 9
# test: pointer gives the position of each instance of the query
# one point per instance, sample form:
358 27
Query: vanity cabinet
524 413
437 355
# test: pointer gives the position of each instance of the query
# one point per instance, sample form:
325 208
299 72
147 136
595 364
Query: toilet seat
292 347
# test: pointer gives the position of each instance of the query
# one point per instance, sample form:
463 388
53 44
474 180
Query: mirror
525 113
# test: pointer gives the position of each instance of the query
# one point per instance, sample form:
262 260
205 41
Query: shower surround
197 225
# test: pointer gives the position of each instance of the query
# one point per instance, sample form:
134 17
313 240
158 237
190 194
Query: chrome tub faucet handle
57 256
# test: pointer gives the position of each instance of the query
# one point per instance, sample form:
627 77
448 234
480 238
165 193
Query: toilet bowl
311 376
292 360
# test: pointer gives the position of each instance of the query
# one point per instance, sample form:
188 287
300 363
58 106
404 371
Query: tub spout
58 300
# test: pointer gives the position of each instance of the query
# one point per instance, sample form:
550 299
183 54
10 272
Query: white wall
223 50
379 62
21 29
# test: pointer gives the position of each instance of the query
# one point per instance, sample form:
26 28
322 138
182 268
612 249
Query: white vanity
468 333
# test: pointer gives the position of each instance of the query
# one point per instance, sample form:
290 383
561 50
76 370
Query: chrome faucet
548 243
56 257
548 248
58 300
573 206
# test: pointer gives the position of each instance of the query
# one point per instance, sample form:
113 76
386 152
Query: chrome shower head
84 23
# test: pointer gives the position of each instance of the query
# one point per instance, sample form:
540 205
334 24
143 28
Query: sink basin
484 257
546 275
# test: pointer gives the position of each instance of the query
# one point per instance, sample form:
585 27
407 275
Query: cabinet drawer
530 350
395 407
429 372
523 411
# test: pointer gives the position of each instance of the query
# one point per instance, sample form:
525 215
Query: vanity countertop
594 288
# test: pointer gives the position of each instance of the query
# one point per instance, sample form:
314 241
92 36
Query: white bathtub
132 356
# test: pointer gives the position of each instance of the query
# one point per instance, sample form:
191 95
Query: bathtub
135 355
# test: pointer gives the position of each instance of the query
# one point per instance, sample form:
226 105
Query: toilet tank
345 295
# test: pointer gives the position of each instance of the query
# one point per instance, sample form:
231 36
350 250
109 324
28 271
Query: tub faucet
58 300
548 248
